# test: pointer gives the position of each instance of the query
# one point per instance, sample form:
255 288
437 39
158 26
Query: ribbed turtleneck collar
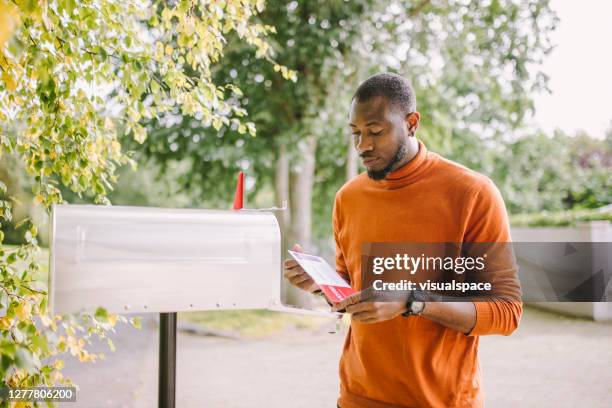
411 171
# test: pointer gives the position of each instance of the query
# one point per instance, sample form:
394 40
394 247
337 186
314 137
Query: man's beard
398 157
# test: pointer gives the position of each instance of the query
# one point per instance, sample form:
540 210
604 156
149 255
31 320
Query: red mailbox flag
239 194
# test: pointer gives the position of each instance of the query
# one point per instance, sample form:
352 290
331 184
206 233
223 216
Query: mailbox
140 259
162 260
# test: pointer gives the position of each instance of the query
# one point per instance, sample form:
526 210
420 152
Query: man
410 354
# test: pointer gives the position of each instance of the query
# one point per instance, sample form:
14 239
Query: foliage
311 38
470 63
473 66
559 219
75 75
542 173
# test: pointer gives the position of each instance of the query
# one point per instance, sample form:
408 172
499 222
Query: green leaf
11 258
26 360
101 314
39 342
43 305
5 362
102 53
8 348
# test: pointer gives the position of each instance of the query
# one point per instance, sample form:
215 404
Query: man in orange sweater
411 354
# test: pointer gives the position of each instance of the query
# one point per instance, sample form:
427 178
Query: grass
253 323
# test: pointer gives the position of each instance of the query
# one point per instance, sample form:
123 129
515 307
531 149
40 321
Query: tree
282 158
75 76
470 63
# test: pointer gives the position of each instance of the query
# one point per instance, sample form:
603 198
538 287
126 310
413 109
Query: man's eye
376 133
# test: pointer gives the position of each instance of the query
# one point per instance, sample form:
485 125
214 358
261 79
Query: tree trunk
282 192
351 160
300 231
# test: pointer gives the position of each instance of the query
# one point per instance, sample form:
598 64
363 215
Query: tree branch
416 10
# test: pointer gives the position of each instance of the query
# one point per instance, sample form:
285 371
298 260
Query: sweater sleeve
340 262
487 222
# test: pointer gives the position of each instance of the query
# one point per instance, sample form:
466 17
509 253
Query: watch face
416 307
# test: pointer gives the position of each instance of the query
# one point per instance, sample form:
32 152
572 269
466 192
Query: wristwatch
414 308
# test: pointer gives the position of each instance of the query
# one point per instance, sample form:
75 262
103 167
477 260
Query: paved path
550 361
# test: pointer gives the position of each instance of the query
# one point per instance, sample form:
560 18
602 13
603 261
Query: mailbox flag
239 194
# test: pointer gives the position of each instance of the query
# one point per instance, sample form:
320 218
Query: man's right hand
296 274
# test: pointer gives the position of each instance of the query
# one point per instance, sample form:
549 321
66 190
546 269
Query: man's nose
364 144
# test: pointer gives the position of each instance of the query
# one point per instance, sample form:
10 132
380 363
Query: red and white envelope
331 283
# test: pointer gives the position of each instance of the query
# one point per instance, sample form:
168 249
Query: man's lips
368 161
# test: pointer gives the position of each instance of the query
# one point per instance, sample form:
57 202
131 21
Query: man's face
380 134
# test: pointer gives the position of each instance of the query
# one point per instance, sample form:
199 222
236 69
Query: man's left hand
367 311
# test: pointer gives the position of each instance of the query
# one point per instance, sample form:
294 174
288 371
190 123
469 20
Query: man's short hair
395 88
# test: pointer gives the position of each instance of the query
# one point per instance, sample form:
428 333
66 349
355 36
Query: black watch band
414 308
408 309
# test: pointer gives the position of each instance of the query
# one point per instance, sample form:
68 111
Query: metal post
167 360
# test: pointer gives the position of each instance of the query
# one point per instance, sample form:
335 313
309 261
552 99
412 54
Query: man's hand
364 311
296 274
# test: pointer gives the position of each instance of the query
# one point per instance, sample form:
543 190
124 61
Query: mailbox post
167 360
158 260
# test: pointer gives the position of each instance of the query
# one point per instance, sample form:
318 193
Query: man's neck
412 149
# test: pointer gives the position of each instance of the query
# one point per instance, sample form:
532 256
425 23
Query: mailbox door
137 259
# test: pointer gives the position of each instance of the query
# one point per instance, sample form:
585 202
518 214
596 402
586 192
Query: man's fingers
305 285
299 279
354 298
297 248
347 301
365 317
359 307
291 273
290 263
340 305
302 278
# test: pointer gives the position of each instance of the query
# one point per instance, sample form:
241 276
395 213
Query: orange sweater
414 362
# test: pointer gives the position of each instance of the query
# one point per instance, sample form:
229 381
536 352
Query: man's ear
412 121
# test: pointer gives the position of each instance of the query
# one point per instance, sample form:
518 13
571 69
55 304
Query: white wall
594 231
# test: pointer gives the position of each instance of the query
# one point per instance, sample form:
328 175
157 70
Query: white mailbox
161 260
139 259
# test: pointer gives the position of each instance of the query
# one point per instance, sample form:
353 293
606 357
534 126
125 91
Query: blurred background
517 90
